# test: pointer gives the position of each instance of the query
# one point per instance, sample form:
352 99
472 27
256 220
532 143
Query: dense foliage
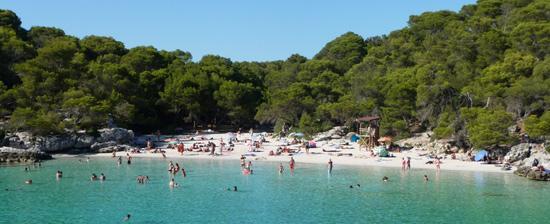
467 75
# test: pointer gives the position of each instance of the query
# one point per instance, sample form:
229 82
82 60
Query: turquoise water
310 195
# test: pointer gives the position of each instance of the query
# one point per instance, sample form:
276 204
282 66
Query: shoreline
315 156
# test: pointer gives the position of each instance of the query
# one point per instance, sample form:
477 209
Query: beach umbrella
481 154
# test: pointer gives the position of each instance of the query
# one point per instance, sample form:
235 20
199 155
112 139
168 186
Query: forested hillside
467 75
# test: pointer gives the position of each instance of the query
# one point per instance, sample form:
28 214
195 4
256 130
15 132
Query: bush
487 128
538 126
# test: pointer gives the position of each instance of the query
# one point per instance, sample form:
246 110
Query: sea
309 194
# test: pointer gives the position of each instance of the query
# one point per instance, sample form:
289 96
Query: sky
243 30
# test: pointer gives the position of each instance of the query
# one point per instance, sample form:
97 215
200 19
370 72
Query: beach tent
355 138
480 155
382 152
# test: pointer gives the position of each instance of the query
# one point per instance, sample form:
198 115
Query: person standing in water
119 161
425 178
437 164
183 173
58 174
403 163
291 164
281 168
102 177
330 165
129 160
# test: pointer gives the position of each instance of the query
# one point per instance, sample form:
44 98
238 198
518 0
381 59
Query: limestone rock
519 152
98 145
532 174
114 148
9 154
119 135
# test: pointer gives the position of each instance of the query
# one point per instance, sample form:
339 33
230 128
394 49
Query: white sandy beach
315 155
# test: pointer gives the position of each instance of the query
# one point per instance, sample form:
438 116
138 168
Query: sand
315 155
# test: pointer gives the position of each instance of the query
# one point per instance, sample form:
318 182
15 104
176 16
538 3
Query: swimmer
350 186
281 168
385 179
173 183
358 185
426 178
127 217
58 174
102 177
87 159
29 181
26 169
234 188
93 177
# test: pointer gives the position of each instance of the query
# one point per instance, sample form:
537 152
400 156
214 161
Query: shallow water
310 195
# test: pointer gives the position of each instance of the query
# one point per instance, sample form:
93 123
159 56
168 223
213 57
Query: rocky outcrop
118 135
9 154
335 133
519 152
114 148
532 173
424 142
108 137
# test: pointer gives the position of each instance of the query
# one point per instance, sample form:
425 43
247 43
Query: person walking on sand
281 168
330 165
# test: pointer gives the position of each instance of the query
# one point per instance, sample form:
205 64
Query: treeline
467 75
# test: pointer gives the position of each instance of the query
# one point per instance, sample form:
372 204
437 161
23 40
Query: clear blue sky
243 30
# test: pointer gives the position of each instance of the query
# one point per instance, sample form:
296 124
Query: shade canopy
480 155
